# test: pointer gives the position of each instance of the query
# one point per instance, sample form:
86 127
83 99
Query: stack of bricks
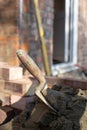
15 89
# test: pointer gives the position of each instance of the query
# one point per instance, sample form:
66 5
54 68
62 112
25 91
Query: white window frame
69 65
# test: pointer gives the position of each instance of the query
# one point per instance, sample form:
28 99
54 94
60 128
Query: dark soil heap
71 106
70 115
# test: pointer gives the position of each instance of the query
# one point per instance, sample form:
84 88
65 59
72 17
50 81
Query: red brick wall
9 30
82 32
46 10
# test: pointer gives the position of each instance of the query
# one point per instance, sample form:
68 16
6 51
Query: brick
66 82
11 73
16 101
21 103
24 86
8 29
2 64
76 84
5 98
2 85
9 15
51 81
11 93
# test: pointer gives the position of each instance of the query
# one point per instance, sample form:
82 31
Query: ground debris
69 114
71 105
61 123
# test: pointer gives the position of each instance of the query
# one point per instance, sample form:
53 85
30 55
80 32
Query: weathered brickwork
82 33
9 30
46 10
10 72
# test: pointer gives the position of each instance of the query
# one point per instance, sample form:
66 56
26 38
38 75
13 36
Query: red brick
16 101
19 102
5 98
3 63
11 73
24 86
2 85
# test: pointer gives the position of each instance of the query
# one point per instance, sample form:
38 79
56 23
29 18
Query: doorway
59 31
65 31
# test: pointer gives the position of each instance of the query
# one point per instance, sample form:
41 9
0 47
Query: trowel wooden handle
35 71
30 65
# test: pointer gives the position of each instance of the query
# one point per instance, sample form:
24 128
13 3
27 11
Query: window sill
62 68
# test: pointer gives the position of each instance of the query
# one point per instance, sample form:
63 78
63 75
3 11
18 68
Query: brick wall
9 30
82 32
46 10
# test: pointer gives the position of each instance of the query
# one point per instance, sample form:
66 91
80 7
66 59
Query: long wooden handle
30 65
42 38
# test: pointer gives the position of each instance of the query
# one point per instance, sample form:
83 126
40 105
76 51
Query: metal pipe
20 22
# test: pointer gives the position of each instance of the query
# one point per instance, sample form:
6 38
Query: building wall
9 30
82 33
46 10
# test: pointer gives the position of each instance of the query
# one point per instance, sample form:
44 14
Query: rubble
70 114
71 106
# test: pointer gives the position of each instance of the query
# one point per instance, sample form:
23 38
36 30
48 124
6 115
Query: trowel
31 66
